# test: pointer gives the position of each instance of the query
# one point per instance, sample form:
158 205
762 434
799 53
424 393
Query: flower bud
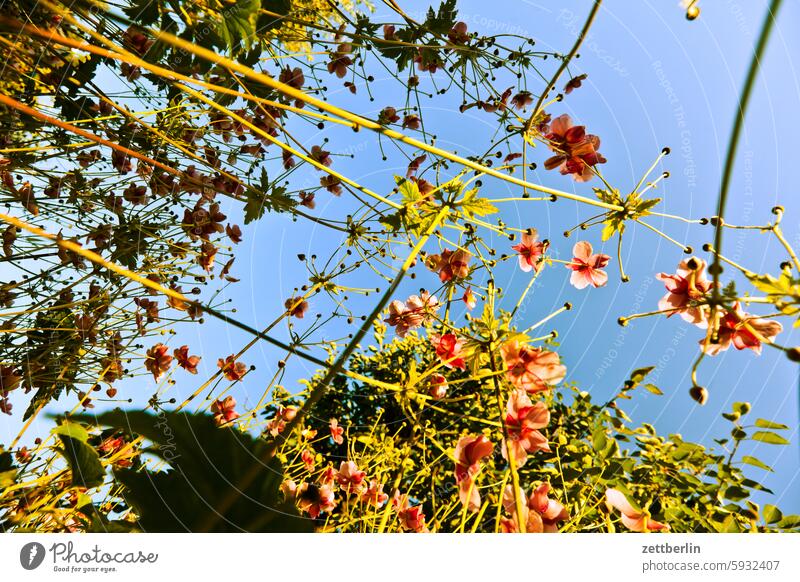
699 394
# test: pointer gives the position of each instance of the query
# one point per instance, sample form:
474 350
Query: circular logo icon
31 555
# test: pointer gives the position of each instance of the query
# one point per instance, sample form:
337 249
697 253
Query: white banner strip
402 558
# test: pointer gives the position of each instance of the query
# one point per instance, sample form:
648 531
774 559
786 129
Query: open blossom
233 370
340 60
308 459
315 499
539 513
523 419
449 349
437 386
531 369
576 151
223 410
296 306
688 284
450 264
285 414
574 83
158 360
632 518
350 478
469 452
469 299
118 448
185 361
586 267
374 495
410 518
737 328
530 251
415 312
337 431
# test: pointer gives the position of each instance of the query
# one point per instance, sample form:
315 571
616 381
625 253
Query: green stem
738 123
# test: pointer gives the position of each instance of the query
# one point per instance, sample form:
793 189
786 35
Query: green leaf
472 205
238 23
761 423
443 20
741 407
84 462
269 196
599 440
207 468
772 514
643 208
639 374
789 522
72 430
769 437
392 221
609 229
756 463
653 389
142 12
409 190
730 525
8 473
736 493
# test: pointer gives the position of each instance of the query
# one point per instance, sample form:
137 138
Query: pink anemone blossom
530 251
523 419
540 514
575 150
587 267
632 518
687 285
531 369
469 452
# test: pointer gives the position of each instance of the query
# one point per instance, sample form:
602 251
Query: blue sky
654 80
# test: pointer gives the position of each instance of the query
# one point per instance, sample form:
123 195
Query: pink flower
687 285
531 369
350 478
415 312
449 350
469 452
530 251
574 83
308 459
523 419
410 518
231 369
158 360
340 60
437 386
296 306
634 519
586 267
374 495
224 410
469 299
450 264
735 328
336 432
539 513
576 151
276 425
315 499
185 361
